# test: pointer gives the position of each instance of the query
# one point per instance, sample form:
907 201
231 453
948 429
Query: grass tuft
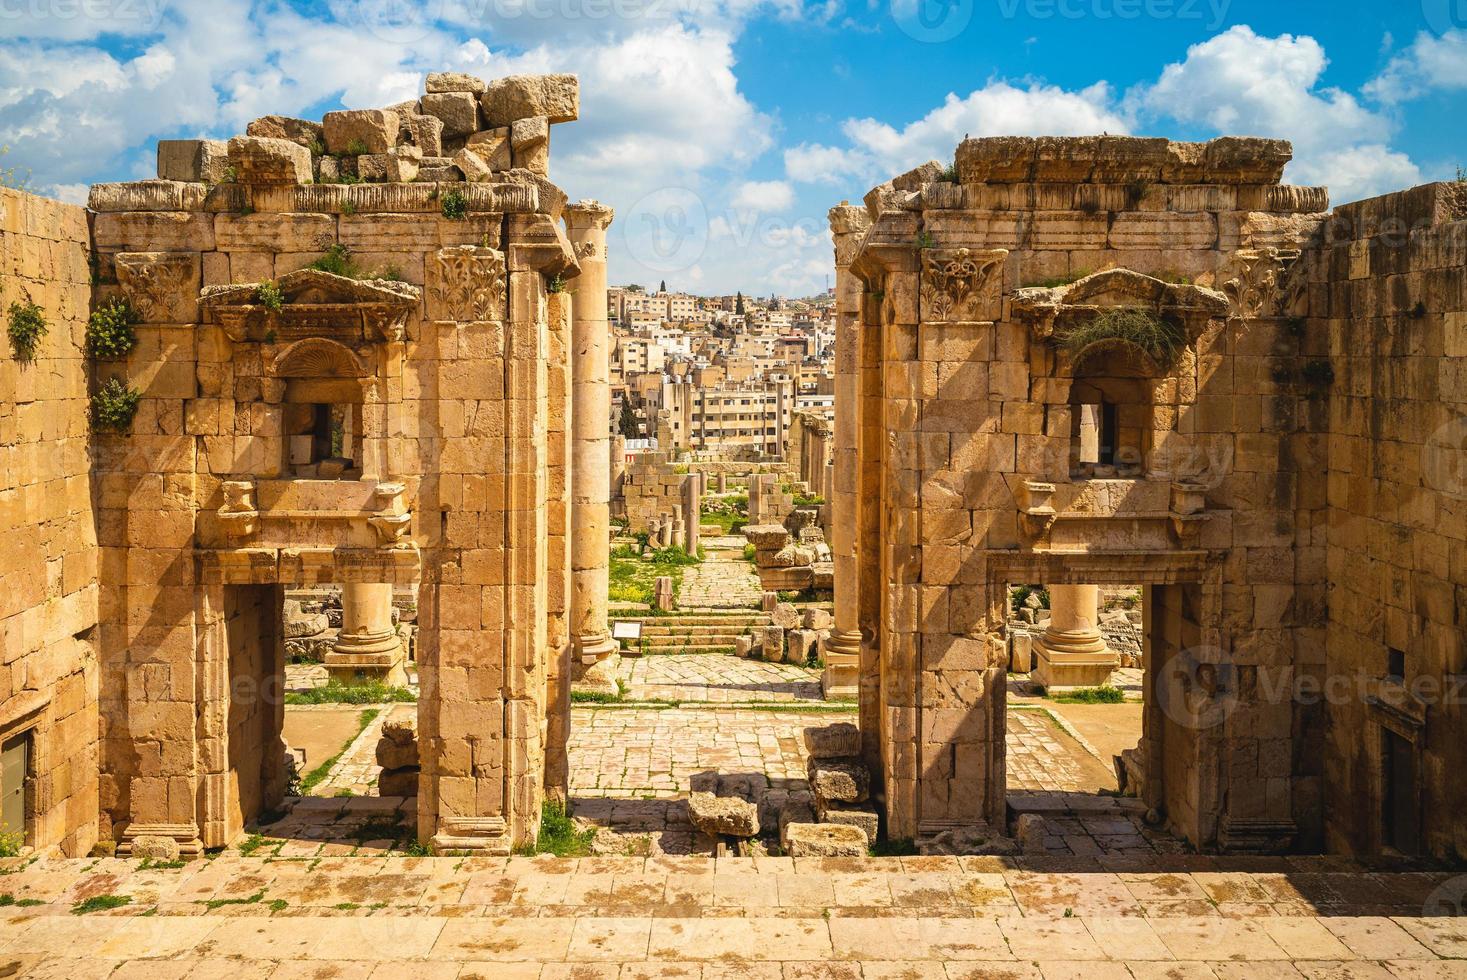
559 835
100 903
1160 339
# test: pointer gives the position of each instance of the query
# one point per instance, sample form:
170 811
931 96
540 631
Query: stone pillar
368 647
692 510
591 463
843 647
1071 652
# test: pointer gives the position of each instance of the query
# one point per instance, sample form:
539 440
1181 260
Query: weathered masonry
1095 361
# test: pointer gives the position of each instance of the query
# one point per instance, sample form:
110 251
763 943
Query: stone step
716 640
690 649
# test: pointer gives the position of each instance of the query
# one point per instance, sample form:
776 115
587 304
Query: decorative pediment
1058 306
314 303
961 283
1265 282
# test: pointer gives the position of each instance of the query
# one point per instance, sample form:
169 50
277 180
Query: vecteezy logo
667 230
932 21
1197 688
1444 459
1443 16
395 21
1447 900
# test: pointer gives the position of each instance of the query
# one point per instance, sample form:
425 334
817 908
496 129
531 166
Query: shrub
555 284
114 405
337 260
356 148
110 330
455 206
269 295
27 326
1160 339
11 841
674 555
949 174
11 176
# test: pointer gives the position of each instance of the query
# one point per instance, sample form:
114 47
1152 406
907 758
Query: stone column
368 647
692 511
1071 652
586 223
843 648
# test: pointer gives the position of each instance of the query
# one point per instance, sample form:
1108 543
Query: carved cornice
314 304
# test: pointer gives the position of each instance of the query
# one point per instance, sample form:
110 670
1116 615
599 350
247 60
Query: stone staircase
695 632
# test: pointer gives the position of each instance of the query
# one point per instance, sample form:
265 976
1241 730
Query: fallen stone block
423 131
494 147
839 780
798 808
771 644
150 848
398 782
257 160
852 816
360 131
818 619
976 841
785 616
530 141
453 81
825 840
556 97
723 805
1030 830
303 131
472 166
743 646
205 161
799 645
459 112
841 740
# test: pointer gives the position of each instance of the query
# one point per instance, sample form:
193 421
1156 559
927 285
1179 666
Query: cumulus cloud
763 195
1431 63
1242 83
876 150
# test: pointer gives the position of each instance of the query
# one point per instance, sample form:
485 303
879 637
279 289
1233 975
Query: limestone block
825 840
722 805
818 619
298 624
798 808
556 97
328 170
800 645
857 816
743 646
1031 830
258 160
975 841
303 131
459 112
426 133
356 131
530 141
822 575
841 739
150 848
398 782
493 145
839 780
474 167
398 166
771 643
453 81
193 160
785 616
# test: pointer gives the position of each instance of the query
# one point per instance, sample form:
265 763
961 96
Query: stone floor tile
1049 939
1217 939
918 938
750 938
603 939
1377 938
993 971
1082 970
514 940
1173 970
1348 970
1445 937
1127 938
1305 938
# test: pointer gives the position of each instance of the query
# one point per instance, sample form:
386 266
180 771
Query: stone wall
1388 306
48 578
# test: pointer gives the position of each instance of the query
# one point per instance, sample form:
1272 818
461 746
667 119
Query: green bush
555 284
11 841
27 327
337 260
114 406
558 834
455 206
1161 340
269 295
110 330
674 555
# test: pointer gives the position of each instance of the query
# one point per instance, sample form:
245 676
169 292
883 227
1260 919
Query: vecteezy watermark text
146 14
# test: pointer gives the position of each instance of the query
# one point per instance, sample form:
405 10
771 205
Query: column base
598 677
1060 668
841 680
595 647
189 843
476 836
386 664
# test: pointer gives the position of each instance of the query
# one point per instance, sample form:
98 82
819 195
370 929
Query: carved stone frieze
161 286
467 283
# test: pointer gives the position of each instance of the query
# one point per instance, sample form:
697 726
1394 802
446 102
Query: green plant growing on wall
925 239
555 284
26 328
337 260
110 330
949 174
356 148
454 205
1160 339
269 295
114 406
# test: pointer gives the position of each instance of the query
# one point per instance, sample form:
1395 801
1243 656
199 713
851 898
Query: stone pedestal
1071 652
591 458
368 647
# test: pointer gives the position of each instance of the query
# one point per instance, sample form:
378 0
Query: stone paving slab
718 679
705 918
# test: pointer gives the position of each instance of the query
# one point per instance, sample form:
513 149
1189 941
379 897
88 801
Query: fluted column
586 223
1071 652
843 648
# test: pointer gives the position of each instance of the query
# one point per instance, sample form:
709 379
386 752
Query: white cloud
1430 63
1240 83
763 195
876 150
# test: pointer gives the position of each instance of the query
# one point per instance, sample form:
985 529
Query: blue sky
722 130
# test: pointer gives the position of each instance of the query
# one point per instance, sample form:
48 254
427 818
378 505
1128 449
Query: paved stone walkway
718 679
720 583
732 919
